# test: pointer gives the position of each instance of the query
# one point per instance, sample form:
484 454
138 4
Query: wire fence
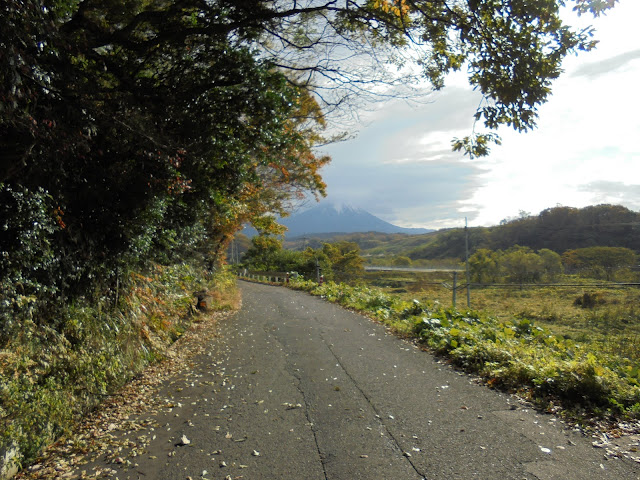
452 285
455 287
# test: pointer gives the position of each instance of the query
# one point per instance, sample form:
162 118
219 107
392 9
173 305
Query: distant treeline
558 229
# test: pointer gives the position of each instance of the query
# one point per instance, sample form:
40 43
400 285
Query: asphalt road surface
293 387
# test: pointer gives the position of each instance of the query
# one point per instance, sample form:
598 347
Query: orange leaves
179 185
307 110
399 8
58 213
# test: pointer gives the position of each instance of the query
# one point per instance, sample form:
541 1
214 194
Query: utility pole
466 261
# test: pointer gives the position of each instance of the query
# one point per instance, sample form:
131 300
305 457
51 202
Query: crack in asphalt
373 407
311 424
298 385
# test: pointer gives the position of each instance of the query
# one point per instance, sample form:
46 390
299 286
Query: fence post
466 262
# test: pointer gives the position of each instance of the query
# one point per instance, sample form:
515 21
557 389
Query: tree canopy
138 130
135 137
339 261
600 262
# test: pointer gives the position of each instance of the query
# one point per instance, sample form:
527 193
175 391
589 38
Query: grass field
607 318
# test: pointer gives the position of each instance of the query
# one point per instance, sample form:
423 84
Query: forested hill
558 229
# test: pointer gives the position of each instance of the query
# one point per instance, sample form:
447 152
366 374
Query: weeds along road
296 388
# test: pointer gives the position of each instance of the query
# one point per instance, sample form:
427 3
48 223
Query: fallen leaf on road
183 441
255 453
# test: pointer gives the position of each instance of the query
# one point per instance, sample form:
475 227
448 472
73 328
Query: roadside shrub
49 377
28 264
590 300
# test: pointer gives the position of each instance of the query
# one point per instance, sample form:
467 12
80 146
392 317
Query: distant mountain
329 218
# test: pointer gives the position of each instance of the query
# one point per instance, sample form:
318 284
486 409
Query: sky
585 150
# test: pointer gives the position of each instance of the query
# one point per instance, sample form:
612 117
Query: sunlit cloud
613 192
584 151
594 69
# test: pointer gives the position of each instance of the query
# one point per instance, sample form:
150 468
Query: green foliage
264 253
551 263
483 266
28 263
521 265
129 150
477 145
50 377
589 300
517 265
401 261
339 260
599 262
344 259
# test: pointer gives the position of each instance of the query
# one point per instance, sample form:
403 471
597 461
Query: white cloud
602 67
613 192
585 150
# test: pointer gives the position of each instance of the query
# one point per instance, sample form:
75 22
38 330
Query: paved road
296 388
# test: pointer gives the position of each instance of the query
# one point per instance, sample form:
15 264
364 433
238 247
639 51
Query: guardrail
371 268
271 277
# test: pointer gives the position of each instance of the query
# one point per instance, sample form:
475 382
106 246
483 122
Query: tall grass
50 377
